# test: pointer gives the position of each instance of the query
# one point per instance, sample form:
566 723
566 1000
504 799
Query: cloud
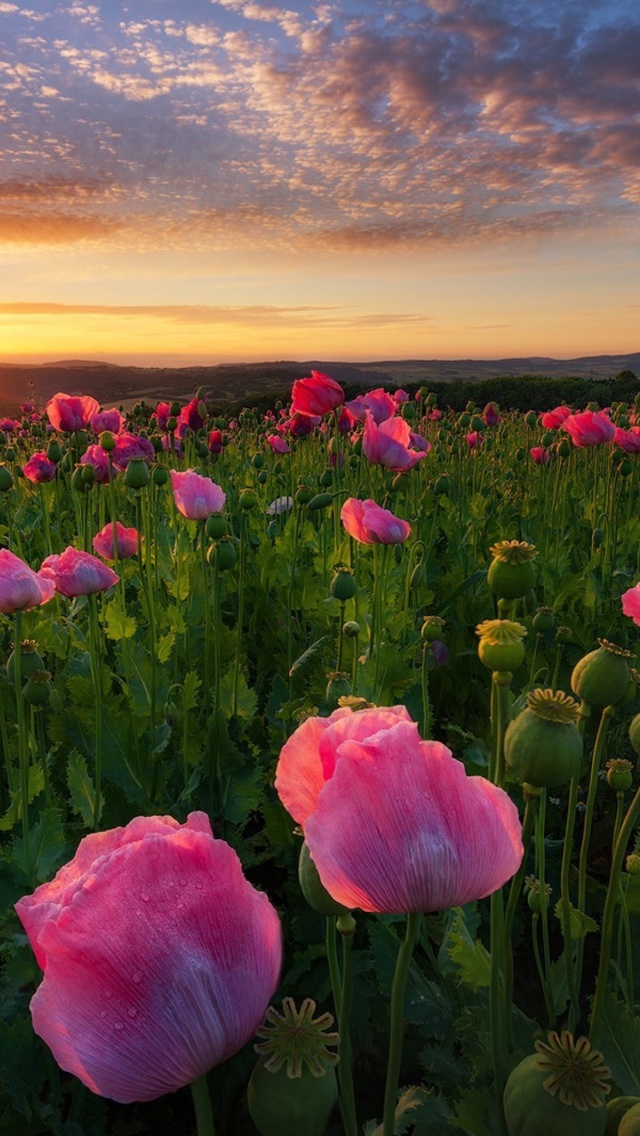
328 126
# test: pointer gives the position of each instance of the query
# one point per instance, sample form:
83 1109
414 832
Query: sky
207 181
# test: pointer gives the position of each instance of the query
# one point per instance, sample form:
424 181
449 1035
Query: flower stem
346 926
23 752
397 1021
202 1107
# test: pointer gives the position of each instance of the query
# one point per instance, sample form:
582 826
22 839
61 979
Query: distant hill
112 384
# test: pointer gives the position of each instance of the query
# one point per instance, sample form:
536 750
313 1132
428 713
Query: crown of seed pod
501 647
601 678
560 1090
512 573
543 745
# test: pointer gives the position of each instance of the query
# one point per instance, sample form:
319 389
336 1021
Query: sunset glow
229 180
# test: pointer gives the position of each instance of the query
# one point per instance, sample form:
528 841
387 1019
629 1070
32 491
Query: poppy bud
136 474
343 585
6 480
160 475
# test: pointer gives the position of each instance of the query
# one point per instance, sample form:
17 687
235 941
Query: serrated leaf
418 1111
307 655
247 699
165 646
118 624
14 812
579 923
190 687
81 788
469 956
46 846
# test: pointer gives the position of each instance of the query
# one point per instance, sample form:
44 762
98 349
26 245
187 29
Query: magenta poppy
369 523
316 396
78 573
20 587
110 420
390 444
474 440
190 417
553 419
590 428
126 542
95 456
196 497
130 446
540 455
393 823
159 957
71 412
278 444
628 440
215 442
162 414
39 469
381 404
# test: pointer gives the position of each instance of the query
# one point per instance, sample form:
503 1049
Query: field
387 652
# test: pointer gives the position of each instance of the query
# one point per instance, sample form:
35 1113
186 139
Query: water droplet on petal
183 883
108 993
132 1011
103 1013
118 1025
137 976
199 885
144 896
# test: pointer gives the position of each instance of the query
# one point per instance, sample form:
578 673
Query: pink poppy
371 524
162 414
631 604
130 446
126 542
381 404
196 497
189 417
97 457
389 444
474 440
628 440
393 823
77 573
540 455
300 425
20 587
401 396
278 444
159 957
434 415
490 415
215 442
590 428
110 420
71 412
316 396
39 469
553 419
8 425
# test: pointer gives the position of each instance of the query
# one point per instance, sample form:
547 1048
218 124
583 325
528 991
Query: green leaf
164 647
81 788
579 923
307 655
14 812
618 1036
247 699
190 688
418 1111
117 624
47 846
470 958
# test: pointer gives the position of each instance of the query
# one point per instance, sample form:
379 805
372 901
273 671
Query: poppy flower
20 587
159 957
110 420
39 469
71 412
196 497
590 428
389 444
393 823
315 396
631 603
369 523
126 542
77 573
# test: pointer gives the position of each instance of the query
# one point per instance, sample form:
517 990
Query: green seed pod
320 501
619 774
564 448
531 419
303 495
227 556
338 686
409 411
326 478
464 420
263 476
548 437
216 526
634 733
601 678
160 475
88 474
616 1109
30 660
630 1123
137 474
313 890
172 424
543 745
248 499
6 479
632 864
432 628
351 629
543 620
501 647
442 485
10 454
343 585
558 1091
538 898
257 461
511 573
54 452
107 441
37 688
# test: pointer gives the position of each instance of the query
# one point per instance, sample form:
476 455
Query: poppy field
319 800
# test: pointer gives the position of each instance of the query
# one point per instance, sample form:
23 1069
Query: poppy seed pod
315 894
501 647
343 585
601 678
543 745
511 573
559 1090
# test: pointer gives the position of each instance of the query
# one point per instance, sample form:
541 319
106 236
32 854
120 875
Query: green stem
565 894
397 1022
345 1053
606 938
23 752
426 705
95 658
202 1107
596 761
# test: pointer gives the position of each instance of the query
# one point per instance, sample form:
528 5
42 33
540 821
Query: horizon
445 181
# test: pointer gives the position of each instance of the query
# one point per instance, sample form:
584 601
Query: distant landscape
113 384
